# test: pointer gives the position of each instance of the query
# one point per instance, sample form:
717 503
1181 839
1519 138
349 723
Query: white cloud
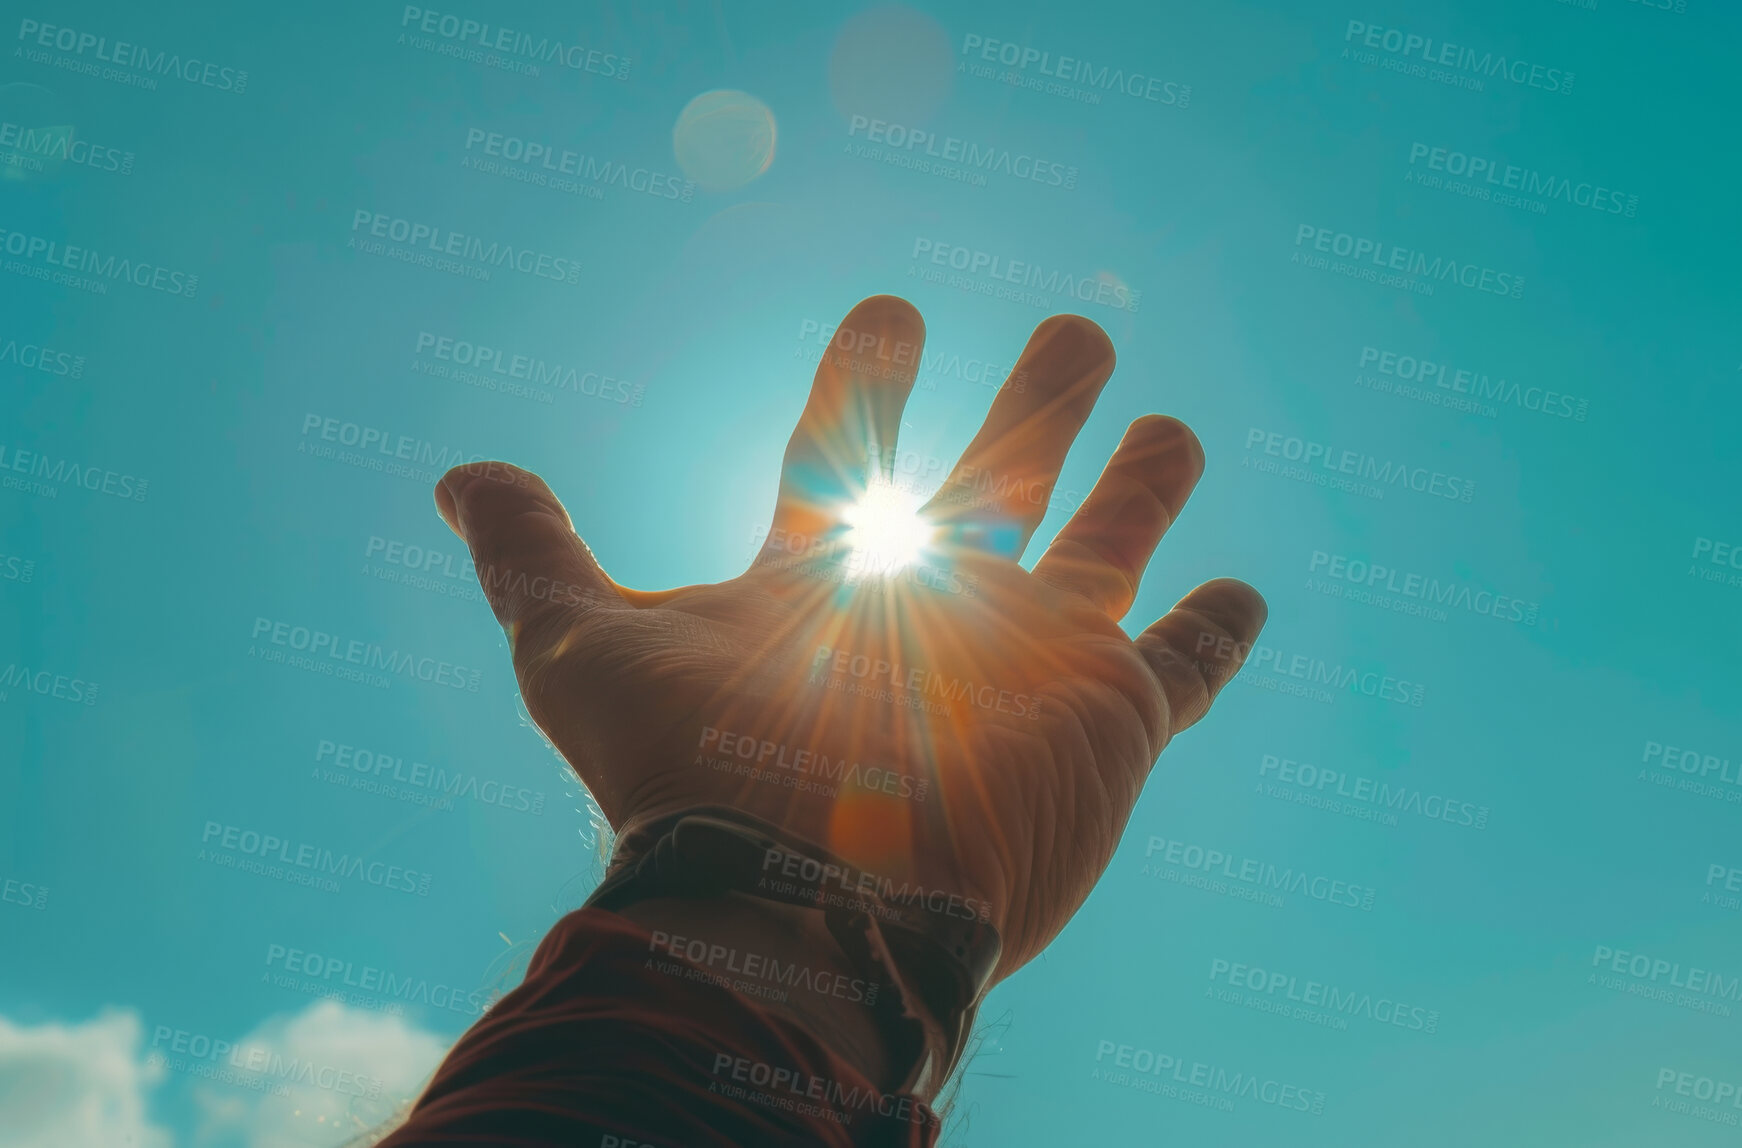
330 1073
77 1086
319 1078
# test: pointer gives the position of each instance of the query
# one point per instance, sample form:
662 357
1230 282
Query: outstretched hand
962 726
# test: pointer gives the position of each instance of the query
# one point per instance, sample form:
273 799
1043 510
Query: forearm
610 1036
783 958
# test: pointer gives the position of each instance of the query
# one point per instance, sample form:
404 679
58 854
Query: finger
1201 643
997 494
1101 552
851 420
528 559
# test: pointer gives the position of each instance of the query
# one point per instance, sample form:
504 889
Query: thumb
528 559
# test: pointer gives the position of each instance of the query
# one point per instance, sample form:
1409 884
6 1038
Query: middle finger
996 496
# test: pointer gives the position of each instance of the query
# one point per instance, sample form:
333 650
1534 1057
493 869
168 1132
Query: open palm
961 726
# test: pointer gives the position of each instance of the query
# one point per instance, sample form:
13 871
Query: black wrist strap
930 946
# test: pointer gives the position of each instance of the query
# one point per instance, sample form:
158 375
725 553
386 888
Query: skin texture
1020 813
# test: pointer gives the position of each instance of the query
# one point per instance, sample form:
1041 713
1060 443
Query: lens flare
724 139
885 531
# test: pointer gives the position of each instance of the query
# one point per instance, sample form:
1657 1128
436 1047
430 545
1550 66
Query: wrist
912 972
781 958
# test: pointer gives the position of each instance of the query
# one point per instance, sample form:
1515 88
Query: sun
885 531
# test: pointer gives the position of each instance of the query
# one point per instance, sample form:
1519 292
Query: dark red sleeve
597 1048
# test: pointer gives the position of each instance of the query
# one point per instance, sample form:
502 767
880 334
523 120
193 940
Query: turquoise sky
1449 293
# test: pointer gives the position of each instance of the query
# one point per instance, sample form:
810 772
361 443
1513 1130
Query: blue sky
1307 204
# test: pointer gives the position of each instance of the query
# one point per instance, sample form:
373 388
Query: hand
1001 721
